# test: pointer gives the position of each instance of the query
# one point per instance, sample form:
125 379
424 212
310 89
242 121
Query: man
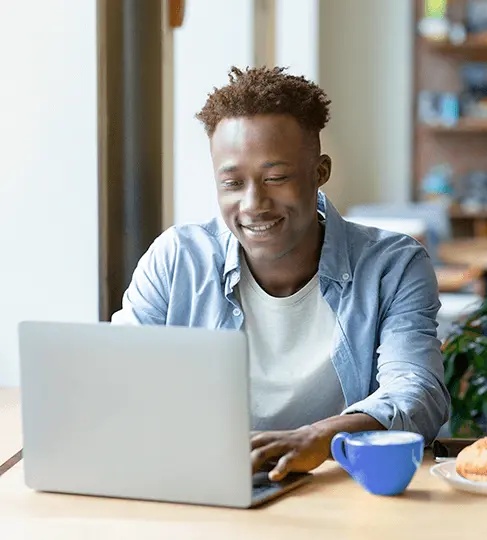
340 319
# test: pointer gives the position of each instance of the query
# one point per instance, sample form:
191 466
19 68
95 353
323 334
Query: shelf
473 49
439 66
467 127
457 212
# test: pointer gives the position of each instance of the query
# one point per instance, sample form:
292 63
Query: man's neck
292 272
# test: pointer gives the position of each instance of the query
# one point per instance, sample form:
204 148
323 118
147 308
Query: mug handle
338 450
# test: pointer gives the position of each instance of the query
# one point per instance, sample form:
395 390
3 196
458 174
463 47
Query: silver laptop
141 412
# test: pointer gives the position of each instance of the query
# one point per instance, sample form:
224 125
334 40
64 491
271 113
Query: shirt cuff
385 413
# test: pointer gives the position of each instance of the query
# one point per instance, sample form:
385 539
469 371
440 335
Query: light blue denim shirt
381 286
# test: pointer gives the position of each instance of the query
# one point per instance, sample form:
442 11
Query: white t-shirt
293 380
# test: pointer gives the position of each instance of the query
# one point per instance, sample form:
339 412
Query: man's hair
266 91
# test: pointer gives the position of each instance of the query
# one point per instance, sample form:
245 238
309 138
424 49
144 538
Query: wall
296 37
216 35
366 68
48 169
297 47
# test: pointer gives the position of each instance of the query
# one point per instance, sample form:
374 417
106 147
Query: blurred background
100 150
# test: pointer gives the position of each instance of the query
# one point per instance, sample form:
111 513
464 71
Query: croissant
471 462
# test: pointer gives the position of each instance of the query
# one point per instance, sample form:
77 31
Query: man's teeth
261 228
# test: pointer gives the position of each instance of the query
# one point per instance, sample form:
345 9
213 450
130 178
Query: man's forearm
351 423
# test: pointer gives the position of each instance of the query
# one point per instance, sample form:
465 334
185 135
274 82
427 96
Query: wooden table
468 251
471 252
332 506
10 432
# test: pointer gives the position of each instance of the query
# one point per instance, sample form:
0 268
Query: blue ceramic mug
383 462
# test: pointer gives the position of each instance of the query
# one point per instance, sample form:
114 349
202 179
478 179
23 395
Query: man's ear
323 170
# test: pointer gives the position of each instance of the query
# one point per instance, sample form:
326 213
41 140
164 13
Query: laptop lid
144 412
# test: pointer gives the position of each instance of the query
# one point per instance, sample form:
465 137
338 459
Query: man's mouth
261 229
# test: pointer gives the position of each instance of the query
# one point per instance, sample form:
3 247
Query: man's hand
303 449
300 450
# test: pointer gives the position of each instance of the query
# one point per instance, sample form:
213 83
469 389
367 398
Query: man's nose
256 199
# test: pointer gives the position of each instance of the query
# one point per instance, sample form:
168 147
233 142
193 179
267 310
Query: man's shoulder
382 247
374 235
199 240
367 252
385 262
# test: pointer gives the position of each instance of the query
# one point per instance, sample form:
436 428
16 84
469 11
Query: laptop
140 412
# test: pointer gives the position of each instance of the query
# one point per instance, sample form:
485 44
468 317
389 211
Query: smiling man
340 319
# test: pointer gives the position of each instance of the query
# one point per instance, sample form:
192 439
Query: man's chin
264 253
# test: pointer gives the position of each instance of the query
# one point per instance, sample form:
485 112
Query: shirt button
237 312
345 276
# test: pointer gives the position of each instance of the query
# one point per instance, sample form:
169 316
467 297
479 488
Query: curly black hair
266 91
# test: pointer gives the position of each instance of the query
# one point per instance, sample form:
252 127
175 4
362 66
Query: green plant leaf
449 365
465 350
456 423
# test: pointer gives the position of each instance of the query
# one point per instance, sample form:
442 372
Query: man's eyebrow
227 168
266 165
270 164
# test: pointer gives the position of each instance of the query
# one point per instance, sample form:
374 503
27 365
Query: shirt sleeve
146 299
412 395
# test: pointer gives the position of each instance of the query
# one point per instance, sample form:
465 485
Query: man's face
268 171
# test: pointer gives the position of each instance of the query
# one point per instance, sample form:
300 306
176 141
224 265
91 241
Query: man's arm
146 298
412 395
351 423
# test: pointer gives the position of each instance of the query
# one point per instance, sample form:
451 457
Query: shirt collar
334 260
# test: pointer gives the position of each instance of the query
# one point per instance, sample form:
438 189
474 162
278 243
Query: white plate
446 471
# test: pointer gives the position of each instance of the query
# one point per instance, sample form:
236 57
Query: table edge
11 462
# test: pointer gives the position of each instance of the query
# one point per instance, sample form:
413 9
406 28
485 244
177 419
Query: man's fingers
283 467
268 465
264 438
260 456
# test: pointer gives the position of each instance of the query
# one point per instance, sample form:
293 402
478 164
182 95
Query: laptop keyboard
263 487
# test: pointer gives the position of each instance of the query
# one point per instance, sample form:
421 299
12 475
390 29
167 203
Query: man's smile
262 229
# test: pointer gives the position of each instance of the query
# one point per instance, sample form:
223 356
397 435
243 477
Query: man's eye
231 183
277 179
